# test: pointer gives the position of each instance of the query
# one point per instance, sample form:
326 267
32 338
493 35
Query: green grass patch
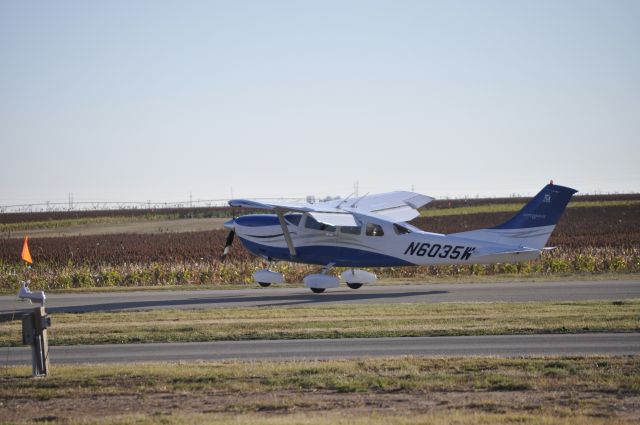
377 390
345 418
68 222
337 321
601 374
513 207
384 281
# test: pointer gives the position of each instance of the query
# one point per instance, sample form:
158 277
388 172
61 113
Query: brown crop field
590 239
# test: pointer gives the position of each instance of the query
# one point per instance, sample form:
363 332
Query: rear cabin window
352 230
374 230
314 224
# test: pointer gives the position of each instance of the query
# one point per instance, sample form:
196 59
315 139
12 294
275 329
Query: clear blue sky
137 100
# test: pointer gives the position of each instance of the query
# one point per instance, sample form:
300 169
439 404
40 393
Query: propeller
232 233
227 245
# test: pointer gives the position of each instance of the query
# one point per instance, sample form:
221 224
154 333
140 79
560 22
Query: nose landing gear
266 277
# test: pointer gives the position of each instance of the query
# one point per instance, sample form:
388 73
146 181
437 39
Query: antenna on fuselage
344 200
358 200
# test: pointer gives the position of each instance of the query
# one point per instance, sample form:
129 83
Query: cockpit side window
400 230
374 230
293 218
312 223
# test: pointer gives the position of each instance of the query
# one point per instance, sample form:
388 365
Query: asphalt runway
374 294
310 349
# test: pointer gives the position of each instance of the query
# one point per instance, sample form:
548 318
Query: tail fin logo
547 198
535 216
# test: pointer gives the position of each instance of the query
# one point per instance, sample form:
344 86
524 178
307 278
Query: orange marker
26 255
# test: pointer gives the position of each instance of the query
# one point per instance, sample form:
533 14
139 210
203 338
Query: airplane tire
317 290
264 284
354 285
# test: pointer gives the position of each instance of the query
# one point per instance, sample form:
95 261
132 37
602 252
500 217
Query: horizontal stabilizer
504 255
503 251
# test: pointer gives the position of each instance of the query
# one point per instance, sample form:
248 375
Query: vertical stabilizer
544 209
532 226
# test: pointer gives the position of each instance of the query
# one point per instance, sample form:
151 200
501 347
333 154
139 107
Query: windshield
314 224
400 230
293 218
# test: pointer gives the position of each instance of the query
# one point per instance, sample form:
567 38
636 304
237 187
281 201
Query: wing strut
285 231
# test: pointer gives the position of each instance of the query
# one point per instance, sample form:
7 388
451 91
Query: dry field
394 390
593 236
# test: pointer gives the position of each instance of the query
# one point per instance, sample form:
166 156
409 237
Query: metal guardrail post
34 333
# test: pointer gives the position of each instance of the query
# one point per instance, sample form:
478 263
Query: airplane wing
247 203
393 206
327 215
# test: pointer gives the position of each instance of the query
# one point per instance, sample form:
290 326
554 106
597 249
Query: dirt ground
141 227
614 407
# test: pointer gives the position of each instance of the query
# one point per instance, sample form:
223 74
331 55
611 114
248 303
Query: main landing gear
319 282
353 277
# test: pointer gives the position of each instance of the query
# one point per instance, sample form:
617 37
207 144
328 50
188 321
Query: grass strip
513 207
68 222
337 321
347 418
384 281
545 390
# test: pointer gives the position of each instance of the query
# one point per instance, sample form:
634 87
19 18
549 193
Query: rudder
544 209
532 226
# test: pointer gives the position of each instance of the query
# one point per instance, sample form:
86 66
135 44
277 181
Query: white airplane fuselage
375 243
372 231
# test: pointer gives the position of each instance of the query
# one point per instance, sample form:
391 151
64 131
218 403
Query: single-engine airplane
372 231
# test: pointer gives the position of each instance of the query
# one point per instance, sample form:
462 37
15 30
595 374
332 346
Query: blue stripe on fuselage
323 255
258 220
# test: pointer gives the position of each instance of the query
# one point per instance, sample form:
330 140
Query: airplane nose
231 224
